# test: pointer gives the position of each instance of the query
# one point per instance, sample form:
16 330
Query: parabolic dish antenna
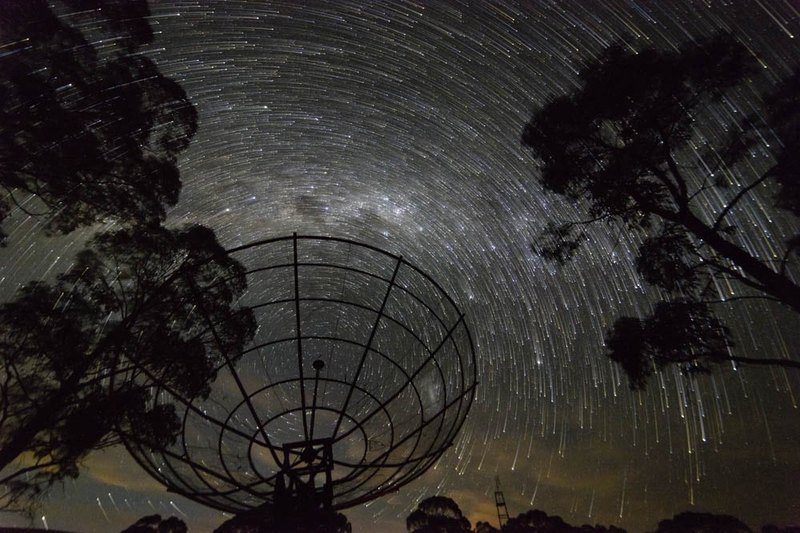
359 376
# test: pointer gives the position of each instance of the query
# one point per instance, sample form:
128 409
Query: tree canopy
80 356
627 146
691 522
88 133
437 514
536 521
155 524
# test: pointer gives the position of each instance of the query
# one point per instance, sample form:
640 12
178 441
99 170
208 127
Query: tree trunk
776 285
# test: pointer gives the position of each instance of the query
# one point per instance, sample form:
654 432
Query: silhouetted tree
155 524
770 528
88 133
678 332
437 514
689 522
536 521
620 146
485 527
78 358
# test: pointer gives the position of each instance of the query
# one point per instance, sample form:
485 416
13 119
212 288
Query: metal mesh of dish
355 347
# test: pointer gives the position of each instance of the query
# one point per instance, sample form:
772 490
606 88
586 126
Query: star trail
397 124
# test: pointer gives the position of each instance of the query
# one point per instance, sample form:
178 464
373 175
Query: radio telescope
359 377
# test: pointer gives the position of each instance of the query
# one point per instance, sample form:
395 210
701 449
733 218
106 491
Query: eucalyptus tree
79 357
437 513
89 127
629 146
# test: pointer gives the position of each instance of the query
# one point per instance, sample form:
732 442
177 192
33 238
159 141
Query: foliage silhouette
536 521
620 146
691 522
89 133
437 514
771 528
485 527
78 357
155 524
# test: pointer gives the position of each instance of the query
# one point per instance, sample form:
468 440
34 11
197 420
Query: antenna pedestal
304 484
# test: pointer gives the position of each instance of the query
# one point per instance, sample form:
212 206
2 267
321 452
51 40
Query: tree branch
10 194
27 469
676 173
648 206
738 197
738 277
785 258
786 363
738 298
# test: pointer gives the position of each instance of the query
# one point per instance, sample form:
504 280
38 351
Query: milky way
397 124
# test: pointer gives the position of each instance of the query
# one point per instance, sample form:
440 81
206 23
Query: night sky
397 124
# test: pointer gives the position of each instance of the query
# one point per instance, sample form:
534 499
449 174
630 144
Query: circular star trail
397 124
